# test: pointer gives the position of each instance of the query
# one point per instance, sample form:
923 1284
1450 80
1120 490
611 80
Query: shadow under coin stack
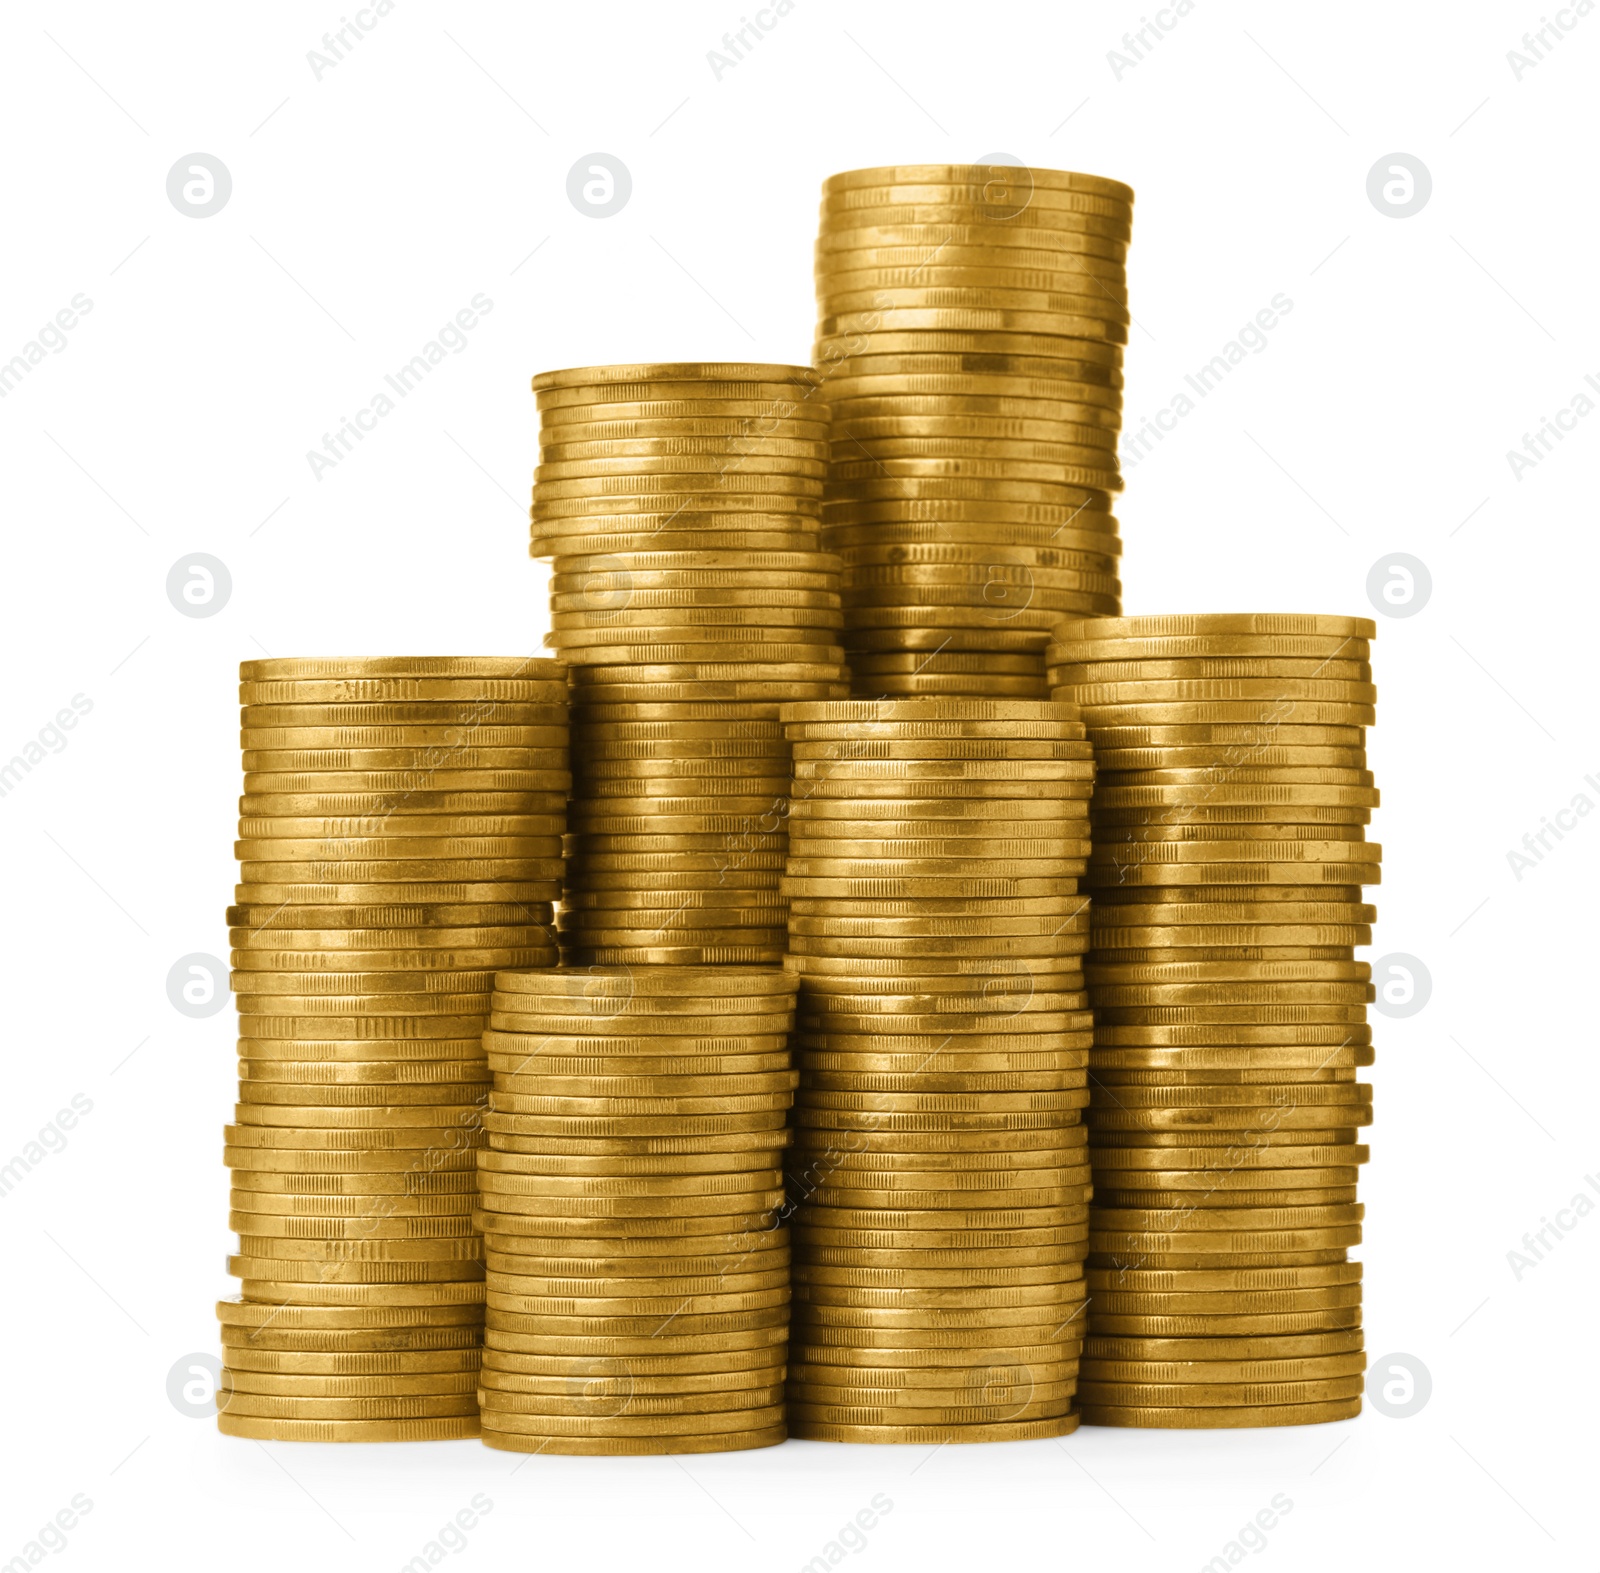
638 1287
970 337
1230 816
939 1174
400 843
680 505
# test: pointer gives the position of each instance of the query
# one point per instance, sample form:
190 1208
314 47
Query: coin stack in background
939 1175
400 842
970 336
1230 815
680 505
638 1282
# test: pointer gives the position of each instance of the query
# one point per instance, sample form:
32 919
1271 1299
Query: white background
367 208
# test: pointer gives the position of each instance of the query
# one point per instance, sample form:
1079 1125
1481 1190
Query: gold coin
1202 1244
558 447
966 227
238 1383
730 1019
622 1385
402 927
394 805
1005 1431
1201 1198
851 211
612 1399
1072 752
337 966
581 1126
808 1341
774 379
511 1051
394 1316
461 715
277 1429
1220 1394
1188 1417
977 1415
307 1200
718 1257
243 1405
1347 717
286 668
581 1428
1192 1095
548 687
323 1284
1205 1373
372 1366
456 1251
722 1442
1257 1155
998 188
1192 625
1030 179
663 1346
985 1395
446 1341
435 1122
1265 1303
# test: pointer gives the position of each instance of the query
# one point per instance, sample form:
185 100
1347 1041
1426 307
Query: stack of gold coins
680 505
638 1279
400 842
1230 816
970 335
939 1177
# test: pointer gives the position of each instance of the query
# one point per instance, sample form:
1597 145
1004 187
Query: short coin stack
970 338
680 504
638 1289
400 842
939 1176
1230 816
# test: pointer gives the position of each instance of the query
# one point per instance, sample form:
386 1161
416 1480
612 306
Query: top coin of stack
400 842
970 334
680 504
1230 812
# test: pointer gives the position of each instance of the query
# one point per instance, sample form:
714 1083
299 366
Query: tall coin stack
638 1285
1230 816
680 504
400 842
970 338
939 1177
